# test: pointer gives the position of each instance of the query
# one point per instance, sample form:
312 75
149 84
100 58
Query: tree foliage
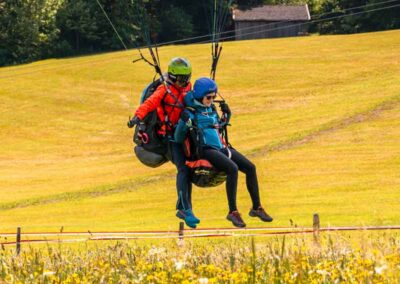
359 19
27 30
37 29
85 29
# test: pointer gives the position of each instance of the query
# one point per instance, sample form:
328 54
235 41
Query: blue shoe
189 217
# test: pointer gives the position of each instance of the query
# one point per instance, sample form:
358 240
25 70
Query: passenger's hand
185 116
225 108
132 122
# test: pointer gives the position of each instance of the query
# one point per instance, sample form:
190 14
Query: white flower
322 272
179 265
203 280
155 251
48 273
379 270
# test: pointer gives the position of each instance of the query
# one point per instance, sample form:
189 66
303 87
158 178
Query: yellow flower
210 268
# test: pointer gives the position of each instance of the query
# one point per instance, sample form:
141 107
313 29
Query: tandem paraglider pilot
156 119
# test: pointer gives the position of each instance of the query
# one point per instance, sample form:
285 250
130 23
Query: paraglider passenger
220 155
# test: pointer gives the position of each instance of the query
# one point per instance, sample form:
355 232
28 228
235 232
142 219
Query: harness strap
229 152
177 104
166 121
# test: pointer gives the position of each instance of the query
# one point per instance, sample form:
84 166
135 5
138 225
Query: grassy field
319 116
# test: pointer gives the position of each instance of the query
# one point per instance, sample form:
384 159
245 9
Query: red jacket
169 105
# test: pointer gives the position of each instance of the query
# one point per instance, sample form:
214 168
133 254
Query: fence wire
65 237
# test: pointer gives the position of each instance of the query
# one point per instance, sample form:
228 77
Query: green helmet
179 71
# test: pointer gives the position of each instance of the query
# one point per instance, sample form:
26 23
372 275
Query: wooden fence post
316 226
180 234
181 228
18 242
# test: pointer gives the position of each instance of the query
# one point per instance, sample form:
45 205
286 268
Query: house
270 21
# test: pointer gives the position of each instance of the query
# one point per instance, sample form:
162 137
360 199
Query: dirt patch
332 127
127 186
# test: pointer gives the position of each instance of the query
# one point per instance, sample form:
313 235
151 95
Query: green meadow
318 115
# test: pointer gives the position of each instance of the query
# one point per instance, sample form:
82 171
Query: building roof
273 13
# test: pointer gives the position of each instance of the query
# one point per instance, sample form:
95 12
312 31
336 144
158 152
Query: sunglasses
209 97
183 79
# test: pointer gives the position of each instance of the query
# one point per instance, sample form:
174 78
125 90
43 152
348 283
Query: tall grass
337 258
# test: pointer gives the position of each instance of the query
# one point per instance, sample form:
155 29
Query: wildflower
48 273
155 251
159 265
210 268
380 270
322 272
179 265
294 276
234 276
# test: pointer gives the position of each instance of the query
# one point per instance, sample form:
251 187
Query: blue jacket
205 119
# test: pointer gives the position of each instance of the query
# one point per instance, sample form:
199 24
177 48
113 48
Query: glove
185 116
225 108
132 122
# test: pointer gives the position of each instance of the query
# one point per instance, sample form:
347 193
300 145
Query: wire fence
77 237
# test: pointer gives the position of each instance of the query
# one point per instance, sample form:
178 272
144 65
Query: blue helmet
204 86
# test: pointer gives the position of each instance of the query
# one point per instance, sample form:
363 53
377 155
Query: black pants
183 183
219 159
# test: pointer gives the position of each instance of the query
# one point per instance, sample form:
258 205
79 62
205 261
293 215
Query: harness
202 172
196 135
177 104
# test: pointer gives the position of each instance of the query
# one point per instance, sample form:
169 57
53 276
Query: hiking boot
189 217
236 220
260 213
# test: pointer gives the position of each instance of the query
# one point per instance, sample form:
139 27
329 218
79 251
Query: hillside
319 116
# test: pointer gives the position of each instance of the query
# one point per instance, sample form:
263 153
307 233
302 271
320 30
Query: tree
27 29
84 28
175 24
79 27
381 19
358 19
248 4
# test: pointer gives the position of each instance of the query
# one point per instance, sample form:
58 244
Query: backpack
151 148
202 172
